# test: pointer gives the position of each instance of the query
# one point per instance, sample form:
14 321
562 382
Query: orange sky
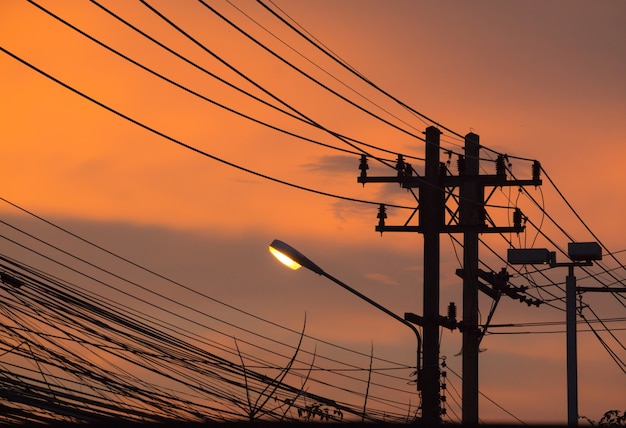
538 80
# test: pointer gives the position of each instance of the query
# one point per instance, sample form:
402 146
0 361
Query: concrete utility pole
431 219
471 215
436 190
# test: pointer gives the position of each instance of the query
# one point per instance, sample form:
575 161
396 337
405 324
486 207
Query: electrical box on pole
450 204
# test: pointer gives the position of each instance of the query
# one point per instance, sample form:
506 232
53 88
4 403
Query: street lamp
580 254
294 259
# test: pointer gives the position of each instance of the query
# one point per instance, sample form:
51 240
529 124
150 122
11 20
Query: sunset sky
191 160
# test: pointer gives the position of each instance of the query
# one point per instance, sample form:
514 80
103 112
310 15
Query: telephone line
126 280
231 351
171 281
66 301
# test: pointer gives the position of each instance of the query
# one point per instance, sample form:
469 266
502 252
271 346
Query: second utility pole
431 216
471 215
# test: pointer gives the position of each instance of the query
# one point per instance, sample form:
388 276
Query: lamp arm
385 310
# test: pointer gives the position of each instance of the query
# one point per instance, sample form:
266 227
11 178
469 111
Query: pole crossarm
453 229
408 178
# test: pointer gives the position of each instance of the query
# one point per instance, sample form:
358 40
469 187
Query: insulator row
405 169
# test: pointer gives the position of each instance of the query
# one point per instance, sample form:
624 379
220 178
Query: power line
152 320
251 81
204 70
308 76
489 399
182 144
203 97
539 228
318 45
351 69
317 66
65 308
208 72
167 279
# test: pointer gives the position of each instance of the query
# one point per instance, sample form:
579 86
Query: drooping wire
167 279
182 144
68 303
172 313
267 30
308 76
492 401
48 222
255 84
351 69
620 363
569 205
208 72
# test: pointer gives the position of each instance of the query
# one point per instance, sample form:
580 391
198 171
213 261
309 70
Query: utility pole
431 219
570 343
471 215
438 190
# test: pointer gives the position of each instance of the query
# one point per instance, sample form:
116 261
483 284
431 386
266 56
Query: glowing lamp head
284 259
292 258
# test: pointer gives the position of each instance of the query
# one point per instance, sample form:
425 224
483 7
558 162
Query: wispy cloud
381 278
334 164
